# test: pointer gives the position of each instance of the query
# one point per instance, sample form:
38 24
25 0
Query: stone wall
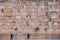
29 19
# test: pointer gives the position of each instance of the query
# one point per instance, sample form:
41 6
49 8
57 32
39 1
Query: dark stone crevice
36 29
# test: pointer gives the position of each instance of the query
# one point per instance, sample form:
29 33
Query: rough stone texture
38 18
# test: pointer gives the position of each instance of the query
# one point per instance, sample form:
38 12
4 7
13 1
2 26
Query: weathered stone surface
38 18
